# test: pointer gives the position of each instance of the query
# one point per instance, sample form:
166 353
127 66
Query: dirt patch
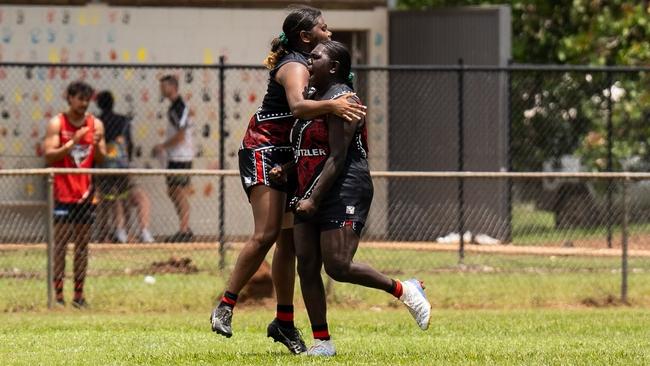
20 275
260 286
607 301
636 241
580 247
173 265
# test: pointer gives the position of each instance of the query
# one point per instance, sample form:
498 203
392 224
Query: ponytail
278 49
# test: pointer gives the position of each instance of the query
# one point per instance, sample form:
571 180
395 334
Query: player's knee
338 270
264 240
308 267
304 271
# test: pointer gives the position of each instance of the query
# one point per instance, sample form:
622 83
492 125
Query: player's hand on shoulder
306 208
347 108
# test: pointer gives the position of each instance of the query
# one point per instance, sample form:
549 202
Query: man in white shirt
180 152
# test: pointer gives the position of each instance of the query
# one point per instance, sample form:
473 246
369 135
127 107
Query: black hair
336 51
80 88
170 79
301 18
105 101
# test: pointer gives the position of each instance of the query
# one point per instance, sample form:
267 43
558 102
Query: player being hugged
266 144
333 199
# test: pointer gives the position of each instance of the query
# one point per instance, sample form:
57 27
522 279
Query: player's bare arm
294 77
340 137
99 141
54 151
176 139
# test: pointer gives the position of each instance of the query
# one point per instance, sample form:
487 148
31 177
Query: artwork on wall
33 95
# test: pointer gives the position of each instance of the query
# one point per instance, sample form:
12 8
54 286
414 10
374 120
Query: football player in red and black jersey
333 199
265 145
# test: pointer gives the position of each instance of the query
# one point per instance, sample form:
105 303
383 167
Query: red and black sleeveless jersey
310 141
271 124
75 188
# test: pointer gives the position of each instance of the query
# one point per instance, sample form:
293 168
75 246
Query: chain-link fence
529 118
547 262
558 240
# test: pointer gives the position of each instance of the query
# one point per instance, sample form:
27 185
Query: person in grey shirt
180 152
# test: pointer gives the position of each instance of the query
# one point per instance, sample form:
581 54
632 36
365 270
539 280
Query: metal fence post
49 214
610 163
509 150
222 162
461 164
626 218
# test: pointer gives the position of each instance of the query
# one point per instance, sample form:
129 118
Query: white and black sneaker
416 301
322 348
290 337
221 320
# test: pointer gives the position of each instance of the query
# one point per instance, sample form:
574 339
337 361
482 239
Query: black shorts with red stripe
356 226
266 144
332 224
340 210
256 164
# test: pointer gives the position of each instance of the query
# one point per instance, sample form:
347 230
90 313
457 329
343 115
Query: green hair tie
351 77
283 38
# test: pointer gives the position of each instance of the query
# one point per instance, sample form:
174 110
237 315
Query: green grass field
485 281
531 226
495 309
388 337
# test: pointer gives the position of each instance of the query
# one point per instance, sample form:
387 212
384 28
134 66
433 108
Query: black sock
58 290
284 315
229 300
78 290
321 332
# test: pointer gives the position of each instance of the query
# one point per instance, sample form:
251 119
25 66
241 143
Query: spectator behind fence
74 139
180 152
118 190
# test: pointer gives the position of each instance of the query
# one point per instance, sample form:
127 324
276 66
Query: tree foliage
566 113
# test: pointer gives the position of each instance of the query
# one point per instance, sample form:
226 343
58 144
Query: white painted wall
102 34
99 33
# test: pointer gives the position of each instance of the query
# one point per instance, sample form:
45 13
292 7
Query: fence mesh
530 119
552 259
549 237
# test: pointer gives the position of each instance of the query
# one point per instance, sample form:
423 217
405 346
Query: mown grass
494 309
387 337
531 226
